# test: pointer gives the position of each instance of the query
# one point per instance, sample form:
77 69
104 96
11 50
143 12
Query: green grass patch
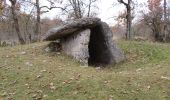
28 72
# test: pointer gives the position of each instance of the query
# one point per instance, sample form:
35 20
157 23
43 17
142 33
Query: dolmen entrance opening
88 40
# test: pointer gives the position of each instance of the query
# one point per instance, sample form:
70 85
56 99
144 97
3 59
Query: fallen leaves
37 95
107 82
75 78
29 64
4 94
43 71
47 49
7 56
14 82
165 78
110 97
52 86
98 68
148 87
38 76
45 96
85 66
27 85
23 53
8 95
2 66
44 61
138 70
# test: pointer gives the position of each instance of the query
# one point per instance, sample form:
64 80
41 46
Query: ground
28 72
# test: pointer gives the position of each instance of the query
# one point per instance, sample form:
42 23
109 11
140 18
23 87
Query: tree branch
123 2
50 8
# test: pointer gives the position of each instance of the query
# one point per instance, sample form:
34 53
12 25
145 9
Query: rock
70 27
77 45
102 48
87 40
54 46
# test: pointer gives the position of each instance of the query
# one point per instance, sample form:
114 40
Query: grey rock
116 53
76 45
54 46
70 27
102 49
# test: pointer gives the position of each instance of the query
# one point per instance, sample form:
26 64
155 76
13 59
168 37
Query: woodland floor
29 73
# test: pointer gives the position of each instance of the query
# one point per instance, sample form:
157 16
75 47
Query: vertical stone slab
116 53
76 45
102 49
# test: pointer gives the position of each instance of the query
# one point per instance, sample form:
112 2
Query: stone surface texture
76 45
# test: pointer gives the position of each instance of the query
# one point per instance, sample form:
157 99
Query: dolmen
88 40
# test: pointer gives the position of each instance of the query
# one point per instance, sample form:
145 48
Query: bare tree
90 5
15 19
38 15
154 19
77 7
80 8
128 17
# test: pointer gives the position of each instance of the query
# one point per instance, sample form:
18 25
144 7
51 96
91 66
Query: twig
14 82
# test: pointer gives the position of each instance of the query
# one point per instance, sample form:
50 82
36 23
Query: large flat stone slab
70 28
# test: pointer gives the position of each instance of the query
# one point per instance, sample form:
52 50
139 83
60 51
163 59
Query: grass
28 72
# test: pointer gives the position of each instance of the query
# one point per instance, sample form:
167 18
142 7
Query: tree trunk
76 5
16 24
165 20
129 20
79 9
128 32
89 8
128 17
37 28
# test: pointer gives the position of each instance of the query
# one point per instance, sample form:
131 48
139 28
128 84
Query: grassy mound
28 72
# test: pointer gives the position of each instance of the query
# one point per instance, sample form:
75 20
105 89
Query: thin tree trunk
165 20
74 5
37 28
76 8
79 9
129 20
89 8
129 25
16 24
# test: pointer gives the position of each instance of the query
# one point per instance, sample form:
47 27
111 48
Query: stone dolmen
88 40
